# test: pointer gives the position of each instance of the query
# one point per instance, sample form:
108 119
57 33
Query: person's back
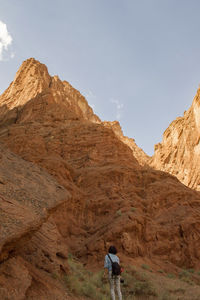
110 258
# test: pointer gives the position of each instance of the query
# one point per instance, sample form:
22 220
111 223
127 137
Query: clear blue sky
135 60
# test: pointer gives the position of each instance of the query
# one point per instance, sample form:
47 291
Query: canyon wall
179 151
107 192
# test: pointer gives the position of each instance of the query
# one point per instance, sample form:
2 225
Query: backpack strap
110 258
111 262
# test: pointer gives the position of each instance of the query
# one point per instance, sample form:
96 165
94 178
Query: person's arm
118 260
105 267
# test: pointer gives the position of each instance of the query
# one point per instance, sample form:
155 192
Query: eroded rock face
179 152
138 153
116 198
28 195
33 84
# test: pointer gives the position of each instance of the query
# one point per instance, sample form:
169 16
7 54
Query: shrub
184 273
145 267
190 270
70 256
119 213
170 275
84 283
136 283
89 290
143 288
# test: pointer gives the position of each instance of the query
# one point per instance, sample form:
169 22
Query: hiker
112 269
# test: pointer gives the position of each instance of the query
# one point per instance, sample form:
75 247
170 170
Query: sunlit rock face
179 151
33 81
111 195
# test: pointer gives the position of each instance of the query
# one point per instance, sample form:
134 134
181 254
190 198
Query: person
113 279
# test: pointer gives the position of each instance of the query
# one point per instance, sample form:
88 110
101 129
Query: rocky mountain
28 195
107 193
179 151
33 81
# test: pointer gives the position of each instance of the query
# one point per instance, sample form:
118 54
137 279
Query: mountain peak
32 67
33 85
31 71
31 78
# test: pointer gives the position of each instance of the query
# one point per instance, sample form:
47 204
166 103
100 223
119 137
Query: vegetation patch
170 275
191 271
184 274
119 213
81 282
138 283
133 209
145 267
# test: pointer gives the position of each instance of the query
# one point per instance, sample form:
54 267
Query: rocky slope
148 214
179 151
29 238
138 153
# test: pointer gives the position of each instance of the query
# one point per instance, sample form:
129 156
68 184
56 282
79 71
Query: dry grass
82 282
139 283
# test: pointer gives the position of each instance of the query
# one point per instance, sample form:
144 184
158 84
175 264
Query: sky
135 61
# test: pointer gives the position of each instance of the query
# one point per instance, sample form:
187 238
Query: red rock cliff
148 214
179 151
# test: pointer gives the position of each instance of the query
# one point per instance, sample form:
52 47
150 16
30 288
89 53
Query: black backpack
116 269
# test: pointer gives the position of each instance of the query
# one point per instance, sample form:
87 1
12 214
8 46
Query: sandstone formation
33 81
179 152
138 153
115 197
29 239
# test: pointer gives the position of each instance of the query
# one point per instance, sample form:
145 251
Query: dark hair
112 250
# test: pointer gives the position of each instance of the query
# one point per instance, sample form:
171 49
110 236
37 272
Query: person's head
112 250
